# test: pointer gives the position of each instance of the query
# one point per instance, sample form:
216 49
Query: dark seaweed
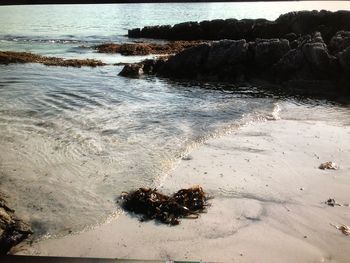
186 203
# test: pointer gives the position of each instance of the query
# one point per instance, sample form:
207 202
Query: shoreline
268 202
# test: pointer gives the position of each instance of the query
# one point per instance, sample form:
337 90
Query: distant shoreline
50 2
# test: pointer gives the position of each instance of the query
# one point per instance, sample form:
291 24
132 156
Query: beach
246 101
269 204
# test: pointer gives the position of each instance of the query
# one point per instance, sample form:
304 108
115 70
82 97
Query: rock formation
12 229
287 26
307 63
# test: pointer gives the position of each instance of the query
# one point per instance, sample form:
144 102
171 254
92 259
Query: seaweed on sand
186 203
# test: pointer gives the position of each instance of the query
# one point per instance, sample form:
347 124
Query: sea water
72 139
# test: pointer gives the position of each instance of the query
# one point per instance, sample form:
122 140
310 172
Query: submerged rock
148 66
132 70
12 229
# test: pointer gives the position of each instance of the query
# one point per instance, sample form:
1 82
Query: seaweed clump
143 48
186 203
10 57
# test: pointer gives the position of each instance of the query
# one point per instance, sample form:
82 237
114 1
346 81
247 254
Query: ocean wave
34 39
65 39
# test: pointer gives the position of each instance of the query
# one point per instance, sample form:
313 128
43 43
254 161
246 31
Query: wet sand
268 202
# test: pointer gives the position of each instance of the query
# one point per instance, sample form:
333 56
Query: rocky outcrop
224 60
134 49
309 62
12 229
10 57
286 26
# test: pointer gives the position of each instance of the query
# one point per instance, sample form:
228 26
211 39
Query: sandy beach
268 206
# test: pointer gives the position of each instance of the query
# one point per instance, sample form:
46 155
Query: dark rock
266 29
12 229
344 60
148 66
306 22
294 44
302 22
291 64
163 31
151 66
186 64
227 60
134 32
316 54
132 70
226 52
290 37
339 42
308 67
309 60
269 51
299 23
186 31
243 29
211 29
151 32
220 60
227 29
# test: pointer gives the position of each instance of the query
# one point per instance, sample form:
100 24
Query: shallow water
76 138
73 139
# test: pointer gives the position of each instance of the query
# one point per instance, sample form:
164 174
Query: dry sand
268 206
